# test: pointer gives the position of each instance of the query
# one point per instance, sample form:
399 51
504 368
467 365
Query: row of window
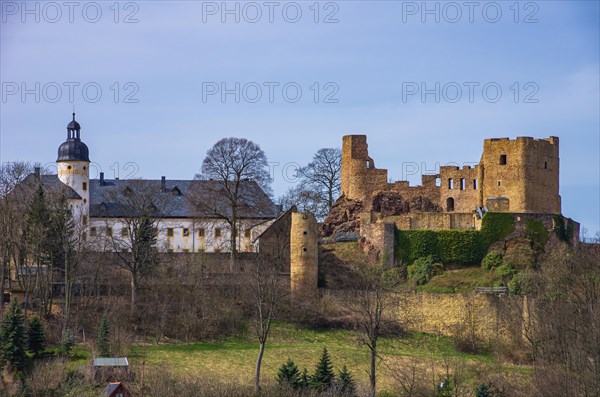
218 232
463 184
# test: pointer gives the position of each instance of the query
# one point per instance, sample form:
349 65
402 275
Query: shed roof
110 362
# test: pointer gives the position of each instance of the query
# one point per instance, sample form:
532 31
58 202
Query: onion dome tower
73 166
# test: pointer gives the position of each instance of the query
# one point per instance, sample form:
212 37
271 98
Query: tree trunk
233 242
372 374
134 285
261 351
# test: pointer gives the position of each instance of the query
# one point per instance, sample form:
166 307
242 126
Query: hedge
461 247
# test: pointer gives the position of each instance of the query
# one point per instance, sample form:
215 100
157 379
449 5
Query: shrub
506 270
346 384
12 337
103 341
423 269
492 259
521 284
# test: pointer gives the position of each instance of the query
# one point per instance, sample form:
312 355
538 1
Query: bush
521 284
492 259
36 337
323 377
506 270
423 269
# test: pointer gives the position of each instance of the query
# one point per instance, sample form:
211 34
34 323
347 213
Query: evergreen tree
12 337
346 382
483 391
36 337
324 376
304 380
103 341
288 374
67 341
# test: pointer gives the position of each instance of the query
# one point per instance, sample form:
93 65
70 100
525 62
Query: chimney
163 183
37 171
102 179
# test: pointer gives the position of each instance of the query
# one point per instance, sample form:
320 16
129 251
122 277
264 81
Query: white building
190 214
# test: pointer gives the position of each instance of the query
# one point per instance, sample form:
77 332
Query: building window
475 184
109 231
93 231
450 183
248 233
201 232
186 232
502 159
450 204
169 232
217 250
218 232
84 185
124 231
462 184
200 249
186 250
84 220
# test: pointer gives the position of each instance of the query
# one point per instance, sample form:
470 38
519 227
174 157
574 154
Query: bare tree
322 177
371 301
267 291
14 197
230 163
138 207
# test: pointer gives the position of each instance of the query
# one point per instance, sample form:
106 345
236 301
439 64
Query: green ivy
564 232
536 232
461 247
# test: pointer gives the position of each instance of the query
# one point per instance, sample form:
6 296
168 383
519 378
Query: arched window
450 204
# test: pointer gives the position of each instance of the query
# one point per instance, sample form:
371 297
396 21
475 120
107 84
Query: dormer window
127 191
176 191
502 159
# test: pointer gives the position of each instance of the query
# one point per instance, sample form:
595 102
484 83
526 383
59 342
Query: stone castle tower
73 165
304 258
525 171
359 177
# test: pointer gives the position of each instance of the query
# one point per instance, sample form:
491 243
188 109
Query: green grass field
233 359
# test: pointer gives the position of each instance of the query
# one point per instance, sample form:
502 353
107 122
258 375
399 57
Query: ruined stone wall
525 171
274 242
459 190
304 258
434 221
378 241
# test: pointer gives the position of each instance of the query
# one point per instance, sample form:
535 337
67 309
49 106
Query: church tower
73 165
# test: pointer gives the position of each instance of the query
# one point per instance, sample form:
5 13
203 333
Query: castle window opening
305 233
368 164
218 232
304 249
124 231
475 184
462 184
450 183
93 231
545 165
502 159
69 167
450 204
84 168
438 182
498 183
84 201
169 232
201 232
186 232
84 185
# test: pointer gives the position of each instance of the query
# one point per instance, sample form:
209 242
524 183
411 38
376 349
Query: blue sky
543 56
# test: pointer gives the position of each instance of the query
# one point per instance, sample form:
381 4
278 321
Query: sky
156 83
